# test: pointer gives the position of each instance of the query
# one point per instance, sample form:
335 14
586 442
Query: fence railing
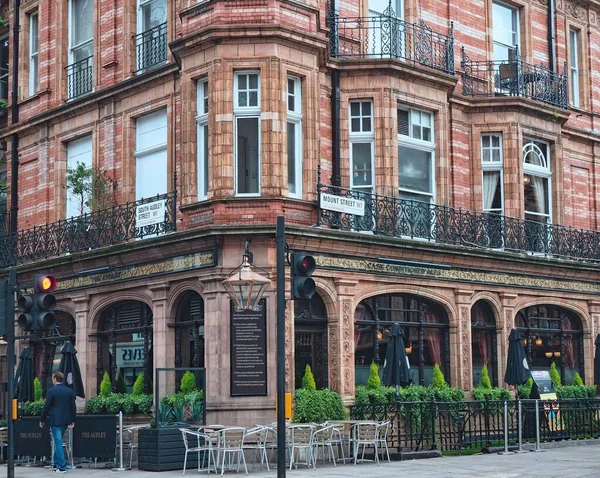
151 47
404 218
475 425
80 77
89 231
514 78
386 36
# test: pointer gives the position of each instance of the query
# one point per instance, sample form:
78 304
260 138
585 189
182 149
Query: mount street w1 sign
342 204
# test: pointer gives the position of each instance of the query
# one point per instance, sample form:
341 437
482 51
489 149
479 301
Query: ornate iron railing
391 216
80 77
475 425
514 78
90 231
151 47
386 36
4 84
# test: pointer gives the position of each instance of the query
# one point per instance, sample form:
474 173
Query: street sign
342 204
150 213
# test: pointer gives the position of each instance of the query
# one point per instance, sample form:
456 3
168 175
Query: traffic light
303 286
37 310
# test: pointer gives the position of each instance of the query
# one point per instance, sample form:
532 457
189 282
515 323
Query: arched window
310 344
552 334
536 181
425 326
483 342
124 341
189 333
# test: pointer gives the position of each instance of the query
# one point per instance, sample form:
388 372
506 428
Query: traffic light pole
280 269
10 338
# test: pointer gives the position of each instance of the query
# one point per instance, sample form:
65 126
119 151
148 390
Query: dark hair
58 376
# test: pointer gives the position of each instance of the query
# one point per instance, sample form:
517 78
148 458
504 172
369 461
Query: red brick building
465 132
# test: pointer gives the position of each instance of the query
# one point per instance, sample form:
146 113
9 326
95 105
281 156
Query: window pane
153 14
355 124
366 124
247 155
496 141
242 82
242 98
536 195
33 34
414 169
291 145
253 81
81 21
205 140
361 164
253 98
492 197
366 108
426 134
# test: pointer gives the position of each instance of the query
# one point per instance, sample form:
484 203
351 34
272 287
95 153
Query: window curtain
480 338
540 193
490 184
433 337
569 351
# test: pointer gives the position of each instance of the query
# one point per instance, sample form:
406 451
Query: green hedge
575 391
33 409
115 402
483 393
318 406
412 393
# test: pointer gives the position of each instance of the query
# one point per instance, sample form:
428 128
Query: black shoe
60 471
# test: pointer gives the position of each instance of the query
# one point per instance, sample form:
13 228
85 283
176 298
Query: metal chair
301 438
3 440
383 430
203 444
229 442
365 434
255 439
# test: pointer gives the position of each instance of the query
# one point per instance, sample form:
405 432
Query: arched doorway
189 333
484 343
552 334
310 344
124 341
425 326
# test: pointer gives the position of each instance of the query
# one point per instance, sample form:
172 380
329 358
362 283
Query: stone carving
347 328
507 322
466 347
574 10
334 357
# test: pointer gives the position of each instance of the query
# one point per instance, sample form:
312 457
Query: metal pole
280 267
505 452
10 365
537 426
520 424
120 468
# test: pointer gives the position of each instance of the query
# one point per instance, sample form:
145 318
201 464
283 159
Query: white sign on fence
150 213
343 204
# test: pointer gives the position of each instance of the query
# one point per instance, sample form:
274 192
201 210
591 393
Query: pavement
577 459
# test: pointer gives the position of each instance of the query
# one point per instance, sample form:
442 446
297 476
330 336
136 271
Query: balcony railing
3 84
90 231
80 77
390 216
151 47
514 78
385 36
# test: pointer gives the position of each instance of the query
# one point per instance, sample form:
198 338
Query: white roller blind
78 151
151 155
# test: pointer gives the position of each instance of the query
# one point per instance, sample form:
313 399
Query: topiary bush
575 391
138 386
129 404
188 382
524 391
308 380
37 389
33 409
577 379
317 406
484 381
374 381
121 387
555 375
438 377
105 386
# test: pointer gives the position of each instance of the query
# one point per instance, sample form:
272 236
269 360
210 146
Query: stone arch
327 292
177 293
483 342
109 300
582 311
494 302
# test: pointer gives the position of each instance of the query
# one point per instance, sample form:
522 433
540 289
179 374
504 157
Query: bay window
202 137
247 116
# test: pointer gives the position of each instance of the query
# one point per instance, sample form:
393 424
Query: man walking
60 403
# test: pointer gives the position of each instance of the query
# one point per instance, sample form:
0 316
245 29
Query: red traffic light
305 264
44 283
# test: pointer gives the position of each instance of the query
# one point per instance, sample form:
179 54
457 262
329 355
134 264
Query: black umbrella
69 366
396 369
597 362
24 377
517 369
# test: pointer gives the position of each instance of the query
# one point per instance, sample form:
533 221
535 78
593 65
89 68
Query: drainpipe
551 37
336 179
14 148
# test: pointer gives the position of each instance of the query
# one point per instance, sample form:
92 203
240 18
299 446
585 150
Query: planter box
162 449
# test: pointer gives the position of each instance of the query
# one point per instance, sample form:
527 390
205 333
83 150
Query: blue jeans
59 454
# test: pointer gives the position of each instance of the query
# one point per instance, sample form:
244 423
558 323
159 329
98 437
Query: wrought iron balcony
386 36
80 77
390 216
90 231
514 78
151 47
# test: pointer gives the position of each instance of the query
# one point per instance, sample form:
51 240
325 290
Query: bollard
505 452
520 416
537 426
120 468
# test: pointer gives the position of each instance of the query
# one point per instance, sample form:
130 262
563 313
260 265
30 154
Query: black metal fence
385 36
80 77
90 231
477 425
514 78
403 218
151 47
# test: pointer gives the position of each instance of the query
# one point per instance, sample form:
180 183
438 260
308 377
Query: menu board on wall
249 351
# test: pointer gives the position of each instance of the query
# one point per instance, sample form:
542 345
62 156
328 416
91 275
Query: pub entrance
310 343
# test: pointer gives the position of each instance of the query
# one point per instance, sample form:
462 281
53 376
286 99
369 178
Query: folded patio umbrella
517 368
396 369
69 366
24 377
597 362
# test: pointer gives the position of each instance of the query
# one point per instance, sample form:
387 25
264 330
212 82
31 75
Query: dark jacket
60 403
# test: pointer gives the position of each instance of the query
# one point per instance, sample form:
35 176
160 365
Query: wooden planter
162 449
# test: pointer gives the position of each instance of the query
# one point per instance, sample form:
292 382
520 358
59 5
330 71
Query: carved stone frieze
466 347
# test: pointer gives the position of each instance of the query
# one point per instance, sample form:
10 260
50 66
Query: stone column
462 343
504 326
346 290
162 347
589 345
84 345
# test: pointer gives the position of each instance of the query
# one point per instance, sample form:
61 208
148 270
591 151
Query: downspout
551 37
14 147
336 179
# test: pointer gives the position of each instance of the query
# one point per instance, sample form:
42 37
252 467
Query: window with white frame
33 52
151 40
202 133
4 68
362 139
79 157
294 136
505 25
81 30
246 110
574 66
151 155
537 181
416 155
491 167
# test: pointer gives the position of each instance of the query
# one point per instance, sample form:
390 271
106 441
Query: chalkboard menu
543 382
249 351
